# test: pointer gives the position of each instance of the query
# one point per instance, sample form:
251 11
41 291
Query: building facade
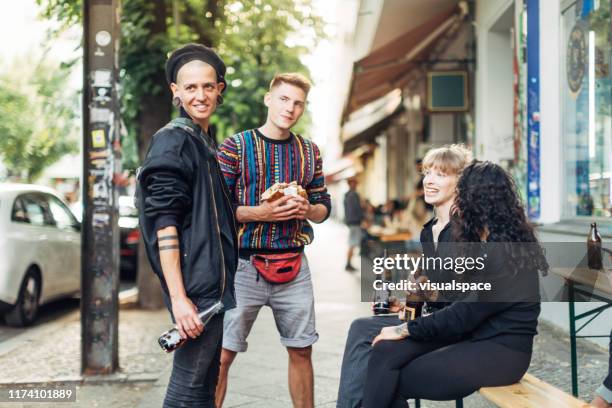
539 92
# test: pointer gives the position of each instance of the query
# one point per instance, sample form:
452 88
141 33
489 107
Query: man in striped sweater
252 161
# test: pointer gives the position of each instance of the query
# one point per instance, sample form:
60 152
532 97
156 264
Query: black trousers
356 357
195 369
404 369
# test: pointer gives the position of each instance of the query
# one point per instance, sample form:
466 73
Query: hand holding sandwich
306 211
282 202
283 209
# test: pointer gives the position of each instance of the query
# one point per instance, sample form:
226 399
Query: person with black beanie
187 223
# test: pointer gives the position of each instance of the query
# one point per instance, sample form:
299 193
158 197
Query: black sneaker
350 268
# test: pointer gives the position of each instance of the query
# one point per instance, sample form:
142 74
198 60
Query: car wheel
25 310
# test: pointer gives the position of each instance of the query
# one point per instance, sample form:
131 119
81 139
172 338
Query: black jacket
510 323
442 249
180 184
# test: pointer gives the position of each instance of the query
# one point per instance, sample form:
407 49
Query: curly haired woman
468 345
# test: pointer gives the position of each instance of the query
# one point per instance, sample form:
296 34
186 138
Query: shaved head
193 67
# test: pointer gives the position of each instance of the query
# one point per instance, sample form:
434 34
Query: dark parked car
129 237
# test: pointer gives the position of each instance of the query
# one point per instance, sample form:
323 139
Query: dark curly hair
487 200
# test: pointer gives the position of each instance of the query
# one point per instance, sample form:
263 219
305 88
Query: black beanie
194 52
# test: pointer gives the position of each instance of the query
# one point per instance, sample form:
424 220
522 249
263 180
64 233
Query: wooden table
398 236
390 237
597 284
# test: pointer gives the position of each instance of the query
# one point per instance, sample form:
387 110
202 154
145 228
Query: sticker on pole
97 138
103 38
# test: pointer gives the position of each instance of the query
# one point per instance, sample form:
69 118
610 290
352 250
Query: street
492 114
49 352
48 314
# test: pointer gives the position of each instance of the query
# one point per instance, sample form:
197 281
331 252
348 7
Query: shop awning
384 69
371 120
349 165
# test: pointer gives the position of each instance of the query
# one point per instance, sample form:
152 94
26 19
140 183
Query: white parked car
40 248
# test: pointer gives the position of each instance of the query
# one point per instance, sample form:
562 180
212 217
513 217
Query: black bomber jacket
180 183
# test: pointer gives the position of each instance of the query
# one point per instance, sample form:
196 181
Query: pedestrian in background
353 217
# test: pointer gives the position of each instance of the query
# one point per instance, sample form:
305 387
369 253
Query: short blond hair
291 78
451 159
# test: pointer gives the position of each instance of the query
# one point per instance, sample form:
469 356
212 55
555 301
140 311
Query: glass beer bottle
382 297
594 248
171 340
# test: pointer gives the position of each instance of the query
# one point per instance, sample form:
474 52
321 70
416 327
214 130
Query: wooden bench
531 392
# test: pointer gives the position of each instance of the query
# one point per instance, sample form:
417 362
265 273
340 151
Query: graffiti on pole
100 260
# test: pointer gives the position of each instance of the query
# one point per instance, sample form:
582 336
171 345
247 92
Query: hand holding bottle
172 339
186 316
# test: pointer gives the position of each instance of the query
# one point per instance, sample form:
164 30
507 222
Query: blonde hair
291 78
451 159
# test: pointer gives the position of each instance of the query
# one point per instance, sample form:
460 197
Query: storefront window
586 84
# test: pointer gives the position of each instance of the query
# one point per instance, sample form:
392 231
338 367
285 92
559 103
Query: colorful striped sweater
251 163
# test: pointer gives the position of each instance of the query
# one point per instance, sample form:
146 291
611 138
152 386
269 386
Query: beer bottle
594 248
413 307
171 340
381 297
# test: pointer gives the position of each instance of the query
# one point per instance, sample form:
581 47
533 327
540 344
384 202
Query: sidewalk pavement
258 378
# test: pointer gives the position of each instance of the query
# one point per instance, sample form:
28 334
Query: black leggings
404 369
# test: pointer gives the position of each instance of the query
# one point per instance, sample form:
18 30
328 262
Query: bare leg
227 358
349 256
599 402
301 377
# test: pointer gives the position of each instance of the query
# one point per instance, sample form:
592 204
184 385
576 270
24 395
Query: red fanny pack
278 268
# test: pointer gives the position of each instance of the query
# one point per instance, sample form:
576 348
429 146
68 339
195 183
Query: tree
256 38
36 120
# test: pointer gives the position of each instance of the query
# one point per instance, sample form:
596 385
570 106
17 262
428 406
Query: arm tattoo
402 330
168 247
167 237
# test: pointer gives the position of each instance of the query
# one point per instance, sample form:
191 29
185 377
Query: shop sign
577 58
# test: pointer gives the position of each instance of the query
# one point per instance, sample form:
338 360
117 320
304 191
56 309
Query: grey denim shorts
292 305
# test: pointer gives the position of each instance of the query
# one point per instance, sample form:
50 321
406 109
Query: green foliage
67 12
15 127
37 120
256 38
142 53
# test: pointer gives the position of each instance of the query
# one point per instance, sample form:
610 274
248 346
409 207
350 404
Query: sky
23 35
18 34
